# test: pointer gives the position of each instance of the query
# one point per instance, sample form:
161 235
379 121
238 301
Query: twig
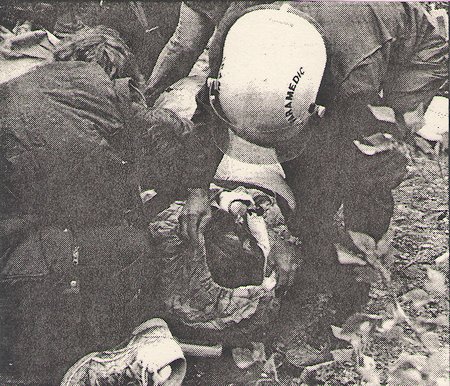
419 170
309 369
196 350
437 149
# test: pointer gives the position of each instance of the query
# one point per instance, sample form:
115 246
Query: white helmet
272 67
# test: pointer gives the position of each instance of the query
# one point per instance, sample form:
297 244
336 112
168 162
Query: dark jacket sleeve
418 68
202 155
188 41
374 46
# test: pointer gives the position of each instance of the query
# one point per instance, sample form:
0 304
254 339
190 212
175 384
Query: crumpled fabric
191 294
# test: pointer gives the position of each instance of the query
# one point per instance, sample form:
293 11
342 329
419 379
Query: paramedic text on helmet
290 95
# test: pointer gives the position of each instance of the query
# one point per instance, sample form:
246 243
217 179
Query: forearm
202 160
418 86
420 68
182 50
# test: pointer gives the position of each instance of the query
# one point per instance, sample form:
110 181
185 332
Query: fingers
192 229
183 223
286 276
204 220
291 274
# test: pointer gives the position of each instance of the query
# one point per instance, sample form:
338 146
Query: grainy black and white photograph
224 193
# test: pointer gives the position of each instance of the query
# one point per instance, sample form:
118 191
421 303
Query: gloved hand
284 258
195 215
235 202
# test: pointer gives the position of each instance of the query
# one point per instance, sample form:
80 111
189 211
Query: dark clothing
145 26
66 152
196 25
213 10
55 311
372 47
65 143
71 252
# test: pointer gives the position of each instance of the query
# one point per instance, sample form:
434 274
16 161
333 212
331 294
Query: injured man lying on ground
91 248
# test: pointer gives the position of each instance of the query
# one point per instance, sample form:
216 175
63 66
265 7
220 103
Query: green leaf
337 332
395 333
356 330
384 245
415 120
371 150
355 323
270 367
243 357
383 113
379 139
406 377
430 340
442 381
438 364
398 313
387 325
442 260
436 283
345 256
364 242
418 297
302 355
369 372
259 352
378 143
432 323
442 320
406 361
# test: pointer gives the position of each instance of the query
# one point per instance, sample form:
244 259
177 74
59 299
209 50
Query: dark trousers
332 172
47 324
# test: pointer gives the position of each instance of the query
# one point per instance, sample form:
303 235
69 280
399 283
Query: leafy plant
411 124
245 358
427 369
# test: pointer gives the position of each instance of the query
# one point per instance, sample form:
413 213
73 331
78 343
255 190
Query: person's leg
368 181
368 208
369 212
313 177
83 307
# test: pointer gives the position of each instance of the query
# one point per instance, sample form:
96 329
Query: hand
286 272
283 257
238 208
235 202
195 215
